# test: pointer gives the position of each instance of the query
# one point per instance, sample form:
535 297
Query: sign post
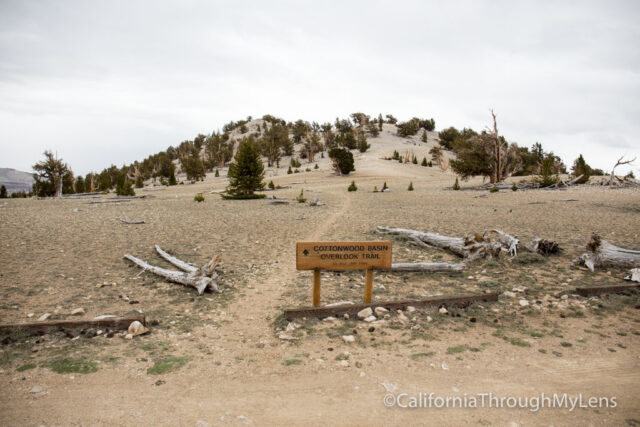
367 256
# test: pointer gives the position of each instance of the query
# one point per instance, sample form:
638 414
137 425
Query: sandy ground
233 367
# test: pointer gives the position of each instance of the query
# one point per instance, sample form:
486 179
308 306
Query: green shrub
272 185
167 365
301 198
456 185
410 186
414 160
295 163
342 160
139 182
353 186
289 171
424 162
125 189
172 178
296 171
79 366
316 166
384 186
217 173
494 189
514 187
199 198
375 189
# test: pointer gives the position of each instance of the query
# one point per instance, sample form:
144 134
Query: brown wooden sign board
343 255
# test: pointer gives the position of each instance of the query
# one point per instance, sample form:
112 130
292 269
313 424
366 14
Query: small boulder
78 312
523 303
348 338
136 328
381 311
411 309
443 310
364 313
44 317
370 319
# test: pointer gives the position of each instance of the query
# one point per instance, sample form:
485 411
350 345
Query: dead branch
199 278
620 162
543 246
634 276
125 221
426 267
601 253
316 201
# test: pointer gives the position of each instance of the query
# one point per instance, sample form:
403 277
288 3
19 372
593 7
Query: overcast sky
114 81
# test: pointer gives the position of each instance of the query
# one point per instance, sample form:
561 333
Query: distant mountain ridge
16 180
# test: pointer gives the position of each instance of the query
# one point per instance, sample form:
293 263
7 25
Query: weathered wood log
587 291
448 301
175 261
426 267
33 328
509 242
316 201
208 269
109 201
470 248
200 283
601 253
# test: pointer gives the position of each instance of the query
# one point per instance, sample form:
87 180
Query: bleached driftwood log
470 248
426 267
126 221
200 278
316 201
487 245
601 253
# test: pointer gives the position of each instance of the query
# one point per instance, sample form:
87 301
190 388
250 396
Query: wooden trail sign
367 256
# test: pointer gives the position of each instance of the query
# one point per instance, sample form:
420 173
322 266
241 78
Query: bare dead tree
620 162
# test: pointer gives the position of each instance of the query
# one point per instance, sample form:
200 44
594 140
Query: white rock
364 313
330 319
509 294
411 309
44 317
445 367
564 297
402 317
290 327
36 389
348 338
136 328
104 316
78 312
286 337
30 315
128 337
381 311
523 303
443 310
344 363
346 316
429 319
370 319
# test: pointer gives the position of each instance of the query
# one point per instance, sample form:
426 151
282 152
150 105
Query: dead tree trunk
620 162
199 278
426 267
601 253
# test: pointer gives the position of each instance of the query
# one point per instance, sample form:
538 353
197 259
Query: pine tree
580 167
414 160
353 186
410 186
289 171
384 186
380 121
217 173
3 192
139 182
424 136
246 172
172 178
424 162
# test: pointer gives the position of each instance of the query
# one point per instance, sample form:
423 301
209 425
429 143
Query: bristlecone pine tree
3 192
246 172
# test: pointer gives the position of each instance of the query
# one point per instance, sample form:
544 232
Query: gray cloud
111 82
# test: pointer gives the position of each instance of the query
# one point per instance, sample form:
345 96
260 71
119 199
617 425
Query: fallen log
587 291
543 246
199 278
470 248
35 328
109 201
601 253
634 276
316 201
446 301
426 267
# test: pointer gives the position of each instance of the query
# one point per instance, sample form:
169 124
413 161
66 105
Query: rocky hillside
15 180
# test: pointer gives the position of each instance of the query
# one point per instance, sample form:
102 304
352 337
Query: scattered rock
523 303
30 315
509 294
370 319
330 319
244 420
444 367
348 338
286 337
44 317
381 311
136 328
429 319
36 390
290 327
564 297
443 310
346 316
128 336
344 363
78 312
402 317
364 313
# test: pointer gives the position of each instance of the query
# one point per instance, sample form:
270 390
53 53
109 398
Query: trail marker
319 256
